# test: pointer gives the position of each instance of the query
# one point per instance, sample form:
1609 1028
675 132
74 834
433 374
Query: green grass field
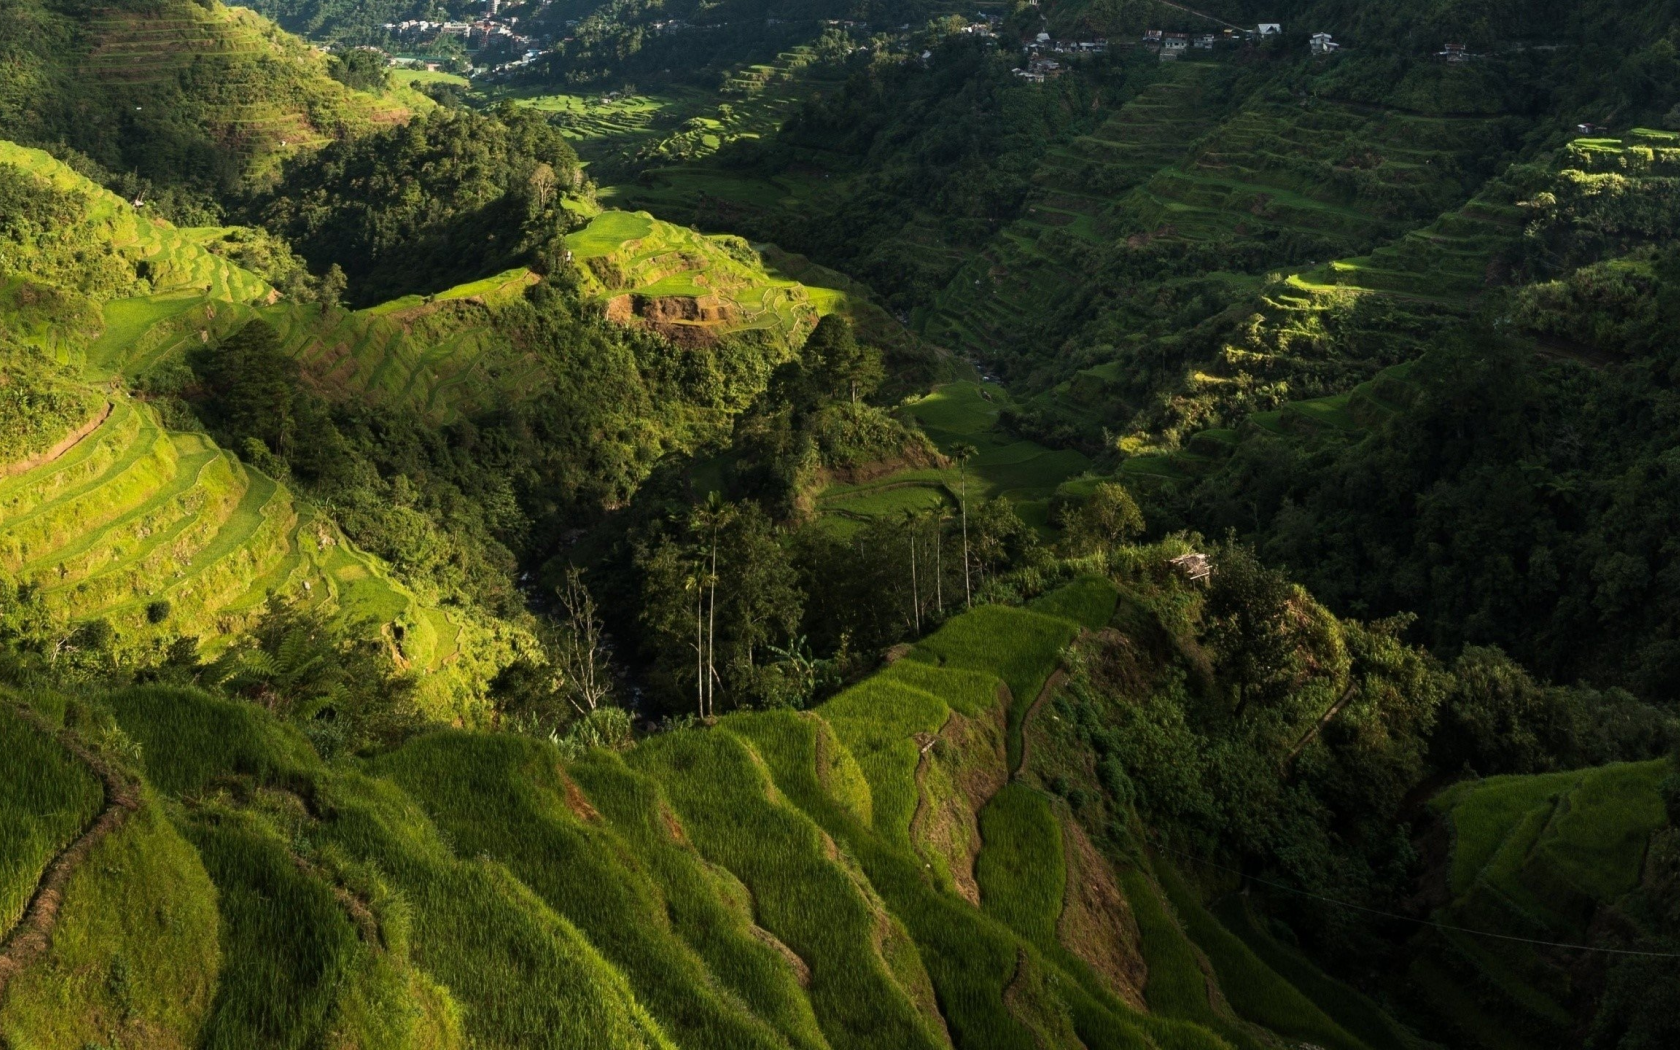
1018 646
1021 870
411 77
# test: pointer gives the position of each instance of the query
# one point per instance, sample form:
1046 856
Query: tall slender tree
911 521
961 452
940 517
582 654
707 523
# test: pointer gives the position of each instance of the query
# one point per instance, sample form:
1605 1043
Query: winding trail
33 933
1051 684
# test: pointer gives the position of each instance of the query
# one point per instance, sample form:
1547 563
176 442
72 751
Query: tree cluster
449 196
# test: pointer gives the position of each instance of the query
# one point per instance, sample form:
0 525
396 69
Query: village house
1270 29
1194 567
1205 41
1591 129
1323 45
1152 39
1174 45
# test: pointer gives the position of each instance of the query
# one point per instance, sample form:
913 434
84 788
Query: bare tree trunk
968 590
939 566
582 656
915 594
699 644
711 639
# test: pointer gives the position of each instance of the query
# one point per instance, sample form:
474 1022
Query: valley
697 526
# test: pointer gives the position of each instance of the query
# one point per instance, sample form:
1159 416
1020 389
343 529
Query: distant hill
175 91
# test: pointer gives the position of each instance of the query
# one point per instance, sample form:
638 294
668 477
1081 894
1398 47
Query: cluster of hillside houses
1170 46
475 34
1040 66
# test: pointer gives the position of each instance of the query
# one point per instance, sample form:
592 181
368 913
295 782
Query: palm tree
961 452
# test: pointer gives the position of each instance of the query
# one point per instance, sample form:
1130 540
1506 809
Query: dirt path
70 441
30 937
1051 684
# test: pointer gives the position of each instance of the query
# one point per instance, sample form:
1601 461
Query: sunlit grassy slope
163 533
692 287
781 879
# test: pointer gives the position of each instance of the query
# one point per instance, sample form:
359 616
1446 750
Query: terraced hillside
677 125
443 354
250 94
1346 332
1278 182
1545 858
689 287
161 533
1033 265
1003 466
89 242
863 875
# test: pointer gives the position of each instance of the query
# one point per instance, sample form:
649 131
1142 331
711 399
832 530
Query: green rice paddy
47 796
758 883
1023 472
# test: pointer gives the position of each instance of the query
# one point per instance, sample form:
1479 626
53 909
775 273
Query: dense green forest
840 526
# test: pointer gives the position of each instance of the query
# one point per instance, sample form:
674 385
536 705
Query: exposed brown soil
801 969
673 826
578 803
33 933
687 320
68 442
863 473
950 828
1097 923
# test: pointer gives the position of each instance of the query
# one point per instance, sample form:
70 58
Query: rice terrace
1034 525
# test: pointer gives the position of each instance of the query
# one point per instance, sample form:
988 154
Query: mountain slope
209 95
107 512
780 880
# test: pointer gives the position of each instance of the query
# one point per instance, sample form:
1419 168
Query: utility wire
1421 922
1200 14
